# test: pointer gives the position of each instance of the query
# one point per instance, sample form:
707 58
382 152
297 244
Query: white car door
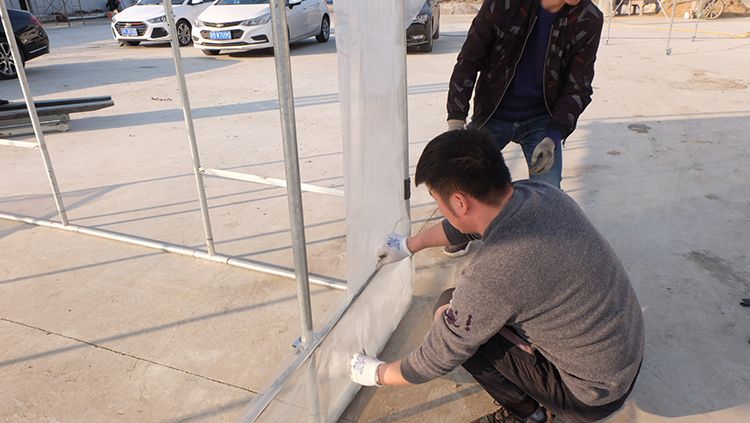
314 15
295 18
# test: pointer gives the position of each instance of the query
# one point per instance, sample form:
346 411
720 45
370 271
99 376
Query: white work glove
454 124
393 249
543 157
364 369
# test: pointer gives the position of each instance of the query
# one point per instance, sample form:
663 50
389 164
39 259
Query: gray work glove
543 157
454 124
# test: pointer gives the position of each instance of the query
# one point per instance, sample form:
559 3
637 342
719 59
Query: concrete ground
93 330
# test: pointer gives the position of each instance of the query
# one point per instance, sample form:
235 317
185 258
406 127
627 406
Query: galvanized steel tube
280 33
10 36
170 248
189 123
671 24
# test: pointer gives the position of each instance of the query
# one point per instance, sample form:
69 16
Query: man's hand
393 249
364 369
543 157
454 124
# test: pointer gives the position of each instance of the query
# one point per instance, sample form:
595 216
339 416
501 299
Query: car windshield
242 2
145 2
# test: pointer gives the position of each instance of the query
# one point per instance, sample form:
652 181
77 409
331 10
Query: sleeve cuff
457 115
555 135
411 375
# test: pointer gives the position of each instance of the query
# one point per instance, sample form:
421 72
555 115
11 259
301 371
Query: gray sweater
545 271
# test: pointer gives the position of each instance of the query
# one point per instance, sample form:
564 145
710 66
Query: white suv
145 21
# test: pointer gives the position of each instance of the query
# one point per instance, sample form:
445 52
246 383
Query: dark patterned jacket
493 48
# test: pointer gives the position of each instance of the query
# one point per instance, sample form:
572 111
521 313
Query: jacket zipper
544 71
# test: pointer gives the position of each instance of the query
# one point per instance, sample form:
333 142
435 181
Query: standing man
543 317
535 60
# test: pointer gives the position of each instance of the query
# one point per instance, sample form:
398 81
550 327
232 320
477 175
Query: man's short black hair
467 161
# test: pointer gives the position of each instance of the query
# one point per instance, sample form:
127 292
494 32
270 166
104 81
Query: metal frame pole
306 352
671 24
609 18
698 19
404 94
10 36
172 248
189 123
282 59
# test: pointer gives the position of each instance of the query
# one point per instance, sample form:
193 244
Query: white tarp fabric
372 92
371 45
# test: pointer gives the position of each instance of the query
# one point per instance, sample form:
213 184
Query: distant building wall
48 7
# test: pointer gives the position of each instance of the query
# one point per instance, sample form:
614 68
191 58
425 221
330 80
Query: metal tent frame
309 340
295 188
614 4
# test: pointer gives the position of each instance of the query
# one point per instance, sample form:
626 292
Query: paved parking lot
93 330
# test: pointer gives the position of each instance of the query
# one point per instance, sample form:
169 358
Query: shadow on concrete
234 406
175 114
680 228
366 394
88 195
125 70
101 342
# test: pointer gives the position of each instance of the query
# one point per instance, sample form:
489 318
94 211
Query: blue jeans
528 134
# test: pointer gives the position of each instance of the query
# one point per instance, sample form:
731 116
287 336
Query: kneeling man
543 317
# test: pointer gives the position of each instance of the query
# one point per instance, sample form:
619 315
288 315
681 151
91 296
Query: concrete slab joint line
125 355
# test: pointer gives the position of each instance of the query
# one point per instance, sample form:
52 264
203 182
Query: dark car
425 28
31 39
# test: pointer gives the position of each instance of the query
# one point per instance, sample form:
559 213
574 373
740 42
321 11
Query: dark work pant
520 381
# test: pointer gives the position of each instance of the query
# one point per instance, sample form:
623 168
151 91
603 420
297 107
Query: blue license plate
130 32
221 35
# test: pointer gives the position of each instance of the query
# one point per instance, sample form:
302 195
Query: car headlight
422 18
261 20
199 24
162 18
114 20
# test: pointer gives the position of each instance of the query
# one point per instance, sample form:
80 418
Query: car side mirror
292 3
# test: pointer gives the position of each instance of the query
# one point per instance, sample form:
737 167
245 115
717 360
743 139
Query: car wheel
325 30
426 47
7 64
210 52
132 43
437 32
183 33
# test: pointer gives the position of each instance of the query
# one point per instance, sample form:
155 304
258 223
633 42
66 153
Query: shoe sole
459 253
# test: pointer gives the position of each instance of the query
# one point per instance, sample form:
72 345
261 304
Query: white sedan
145 21
239 25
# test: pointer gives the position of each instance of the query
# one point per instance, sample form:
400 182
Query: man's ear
460 203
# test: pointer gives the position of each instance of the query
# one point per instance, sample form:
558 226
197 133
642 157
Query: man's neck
552 6
488 213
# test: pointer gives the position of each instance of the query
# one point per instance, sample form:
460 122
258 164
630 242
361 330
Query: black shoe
3 102
457 250
500 416
505 416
